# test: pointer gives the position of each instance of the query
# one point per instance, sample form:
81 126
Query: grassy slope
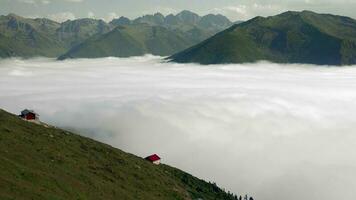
291 37
50 163
131 40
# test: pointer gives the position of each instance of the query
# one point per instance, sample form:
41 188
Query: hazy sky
61 10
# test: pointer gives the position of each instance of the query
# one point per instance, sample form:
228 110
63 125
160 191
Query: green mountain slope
39 162
25 37
74 32
131 40
28 37
151 34
214 22
291 37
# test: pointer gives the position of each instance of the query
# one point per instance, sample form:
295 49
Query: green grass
50 163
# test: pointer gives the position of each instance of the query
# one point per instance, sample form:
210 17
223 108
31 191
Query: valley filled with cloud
273 131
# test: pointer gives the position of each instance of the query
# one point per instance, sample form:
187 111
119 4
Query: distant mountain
214 22
151 34
156 20
195 27
188 17
74 32
44 162
185 21
291 37
131 40
121 21
43 37
28 37
25 37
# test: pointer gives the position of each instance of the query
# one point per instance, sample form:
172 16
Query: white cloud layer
91 14
248 11
62 16
47 1
76 1
110 16
274 131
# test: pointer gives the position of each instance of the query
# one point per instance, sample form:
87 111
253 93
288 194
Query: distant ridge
131 40
151 34
291 37
25 37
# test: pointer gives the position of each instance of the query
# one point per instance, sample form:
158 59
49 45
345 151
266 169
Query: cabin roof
153 158
26 112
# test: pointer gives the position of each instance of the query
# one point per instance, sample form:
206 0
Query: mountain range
25 37
131 40
151 34
39 161
290 37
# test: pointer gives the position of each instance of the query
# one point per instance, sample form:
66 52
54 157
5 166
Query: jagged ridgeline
39 162
25 37
291 37
150 34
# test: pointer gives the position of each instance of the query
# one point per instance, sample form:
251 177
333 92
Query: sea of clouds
273 131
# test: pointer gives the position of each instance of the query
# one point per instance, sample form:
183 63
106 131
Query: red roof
153 158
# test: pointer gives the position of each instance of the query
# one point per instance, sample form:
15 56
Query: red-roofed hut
155 159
